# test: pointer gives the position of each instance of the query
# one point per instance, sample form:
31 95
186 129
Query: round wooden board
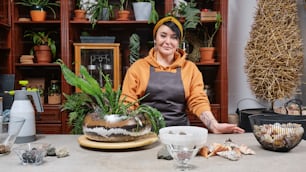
146 140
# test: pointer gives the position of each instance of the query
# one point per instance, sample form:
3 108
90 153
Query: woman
172 83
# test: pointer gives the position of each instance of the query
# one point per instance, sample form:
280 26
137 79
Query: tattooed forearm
208 119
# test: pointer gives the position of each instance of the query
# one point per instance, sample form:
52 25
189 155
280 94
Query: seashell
233 155
204 151
246 150
230 143
218 148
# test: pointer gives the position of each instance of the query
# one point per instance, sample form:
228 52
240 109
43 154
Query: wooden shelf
5 49
111 22
208 64
5 26
39 22
37 65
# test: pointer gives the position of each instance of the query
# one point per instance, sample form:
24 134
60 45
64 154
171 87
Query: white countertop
145 159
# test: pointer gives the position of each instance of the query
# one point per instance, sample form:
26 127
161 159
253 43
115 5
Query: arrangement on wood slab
228 150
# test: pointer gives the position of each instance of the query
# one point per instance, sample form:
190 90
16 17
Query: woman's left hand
219 128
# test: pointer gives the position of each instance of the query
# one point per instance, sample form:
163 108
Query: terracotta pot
43 54
207 54
79 15
123 15
54 100
115 128
38 15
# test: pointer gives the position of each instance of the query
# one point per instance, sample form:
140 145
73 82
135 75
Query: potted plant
44 46
99 10
38 7
79 12
144 10
207 51
95 109
123 13
189 14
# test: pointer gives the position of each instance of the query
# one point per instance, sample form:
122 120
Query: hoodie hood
180 59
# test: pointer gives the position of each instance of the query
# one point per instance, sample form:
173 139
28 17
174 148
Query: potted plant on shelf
145 10
38 8
44 46
79 12
99 10
123 13
207 51
189 14
95 109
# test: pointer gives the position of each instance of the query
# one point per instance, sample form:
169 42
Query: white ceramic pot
142 10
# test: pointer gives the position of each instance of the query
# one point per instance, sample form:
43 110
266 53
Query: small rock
61 153
51 151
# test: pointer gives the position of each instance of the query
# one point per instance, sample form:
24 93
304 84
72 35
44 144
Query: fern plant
78 104
104 101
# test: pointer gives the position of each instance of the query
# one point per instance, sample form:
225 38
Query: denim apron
166 93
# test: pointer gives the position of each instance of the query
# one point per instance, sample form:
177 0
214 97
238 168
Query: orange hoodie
137 78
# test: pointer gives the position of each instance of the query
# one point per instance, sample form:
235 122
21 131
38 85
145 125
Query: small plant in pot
207 51
145 10
189 14
79 12
39 7
123 13
99 10
102 114
44 46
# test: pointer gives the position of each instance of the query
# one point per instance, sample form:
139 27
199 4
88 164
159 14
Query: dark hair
174 28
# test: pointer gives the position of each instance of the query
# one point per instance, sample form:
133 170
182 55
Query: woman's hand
219 128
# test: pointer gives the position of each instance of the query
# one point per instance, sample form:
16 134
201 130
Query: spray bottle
22 107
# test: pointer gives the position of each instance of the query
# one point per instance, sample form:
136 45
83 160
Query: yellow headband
166 19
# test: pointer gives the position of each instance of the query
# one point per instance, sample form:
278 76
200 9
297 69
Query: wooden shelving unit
13 44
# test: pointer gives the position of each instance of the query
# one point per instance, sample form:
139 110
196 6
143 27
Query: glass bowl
183 143
31 153
276 133
9 131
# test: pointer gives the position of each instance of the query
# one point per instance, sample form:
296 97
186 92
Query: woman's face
166 41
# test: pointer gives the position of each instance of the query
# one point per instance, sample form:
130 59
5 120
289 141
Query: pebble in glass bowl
32 153
183 143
